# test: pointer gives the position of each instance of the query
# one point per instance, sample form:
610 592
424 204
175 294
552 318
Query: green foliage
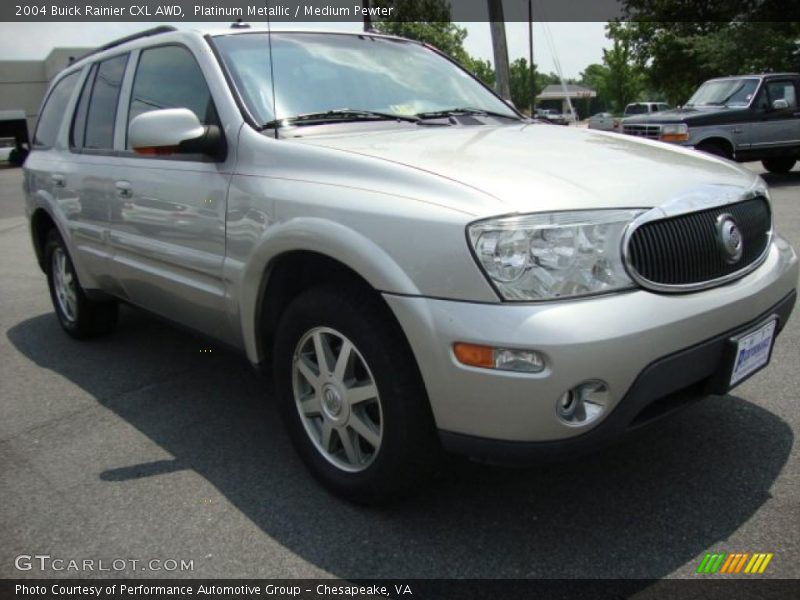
426 21
622 79
595 77
676 57
482 69
521 85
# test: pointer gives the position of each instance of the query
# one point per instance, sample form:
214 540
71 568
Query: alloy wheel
65 285
337 399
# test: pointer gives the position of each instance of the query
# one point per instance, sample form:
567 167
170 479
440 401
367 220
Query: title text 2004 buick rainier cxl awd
420 266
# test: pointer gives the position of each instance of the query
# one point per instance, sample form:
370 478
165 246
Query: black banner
705 587
356 10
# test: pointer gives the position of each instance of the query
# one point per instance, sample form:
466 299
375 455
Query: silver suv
420 266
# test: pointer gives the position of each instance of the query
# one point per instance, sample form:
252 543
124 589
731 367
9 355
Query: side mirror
780 104
174 131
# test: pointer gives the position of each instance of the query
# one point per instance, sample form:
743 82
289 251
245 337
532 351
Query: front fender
706 133
311 234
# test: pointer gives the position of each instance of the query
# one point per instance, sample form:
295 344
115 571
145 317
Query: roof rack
129 38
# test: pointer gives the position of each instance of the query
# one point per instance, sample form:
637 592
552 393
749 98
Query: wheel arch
303 252
41 222
720 140
42 219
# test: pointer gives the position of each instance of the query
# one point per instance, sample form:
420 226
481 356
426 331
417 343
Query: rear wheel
78 315
783 164
716 149
351 396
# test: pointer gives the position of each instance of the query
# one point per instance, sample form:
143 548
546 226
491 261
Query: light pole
530 56
502 76
367 18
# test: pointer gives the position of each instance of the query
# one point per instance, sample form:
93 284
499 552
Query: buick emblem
730 238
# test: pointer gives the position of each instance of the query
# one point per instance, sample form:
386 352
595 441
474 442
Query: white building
573 92
23 83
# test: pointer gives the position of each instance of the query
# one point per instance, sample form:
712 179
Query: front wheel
78 315
351 396
783 164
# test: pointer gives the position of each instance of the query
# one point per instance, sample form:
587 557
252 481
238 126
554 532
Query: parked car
645 108
13 136
605 121
551 116
743 118
421 267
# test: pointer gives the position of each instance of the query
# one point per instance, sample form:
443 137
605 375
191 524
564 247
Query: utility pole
502 75
530 56
367 18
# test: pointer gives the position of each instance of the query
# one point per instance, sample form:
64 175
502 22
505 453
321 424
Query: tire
782 164
400 446
17 157
79 316
715 149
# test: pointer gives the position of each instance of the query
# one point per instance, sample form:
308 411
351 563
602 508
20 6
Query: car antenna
272 71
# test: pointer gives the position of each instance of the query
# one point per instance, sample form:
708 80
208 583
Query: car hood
532 167
690 115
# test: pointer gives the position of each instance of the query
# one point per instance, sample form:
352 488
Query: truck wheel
715 149
351 396
78 315
783 164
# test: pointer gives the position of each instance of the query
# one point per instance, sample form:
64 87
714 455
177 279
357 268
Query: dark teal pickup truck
742 118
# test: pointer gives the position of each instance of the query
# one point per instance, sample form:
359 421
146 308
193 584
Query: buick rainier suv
421 267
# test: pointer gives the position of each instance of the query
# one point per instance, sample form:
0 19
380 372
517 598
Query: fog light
584 403
503 359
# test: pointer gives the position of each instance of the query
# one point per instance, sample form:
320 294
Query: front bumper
662 387
629 340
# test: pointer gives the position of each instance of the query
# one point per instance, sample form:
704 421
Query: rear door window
93 127
53 111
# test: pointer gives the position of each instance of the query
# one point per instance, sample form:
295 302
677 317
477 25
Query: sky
576 44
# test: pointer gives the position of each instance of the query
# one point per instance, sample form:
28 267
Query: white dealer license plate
752 352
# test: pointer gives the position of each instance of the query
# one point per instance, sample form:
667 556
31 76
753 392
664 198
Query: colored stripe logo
734 562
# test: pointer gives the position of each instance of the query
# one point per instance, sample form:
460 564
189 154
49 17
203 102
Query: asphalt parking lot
140 446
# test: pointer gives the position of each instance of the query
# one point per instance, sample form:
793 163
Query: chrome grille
651 132
685 251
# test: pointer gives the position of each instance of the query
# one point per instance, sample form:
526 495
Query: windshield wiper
455 112
338 115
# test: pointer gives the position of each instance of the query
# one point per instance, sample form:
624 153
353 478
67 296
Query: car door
87 178
773 128
167 230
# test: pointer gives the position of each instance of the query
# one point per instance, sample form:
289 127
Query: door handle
58 180
124 189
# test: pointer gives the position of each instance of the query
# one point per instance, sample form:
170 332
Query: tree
623 79
482 69
724 38
426 21
595 77
521 84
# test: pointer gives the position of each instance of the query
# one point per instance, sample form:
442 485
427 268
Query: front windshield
315 73
724 92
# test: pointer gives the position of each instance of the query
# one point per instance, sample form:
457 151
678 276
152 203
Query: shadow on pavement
639 510
775 180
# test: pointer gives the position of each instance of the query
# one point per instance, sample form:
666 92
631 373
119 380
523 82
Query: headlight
675 132
553 255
